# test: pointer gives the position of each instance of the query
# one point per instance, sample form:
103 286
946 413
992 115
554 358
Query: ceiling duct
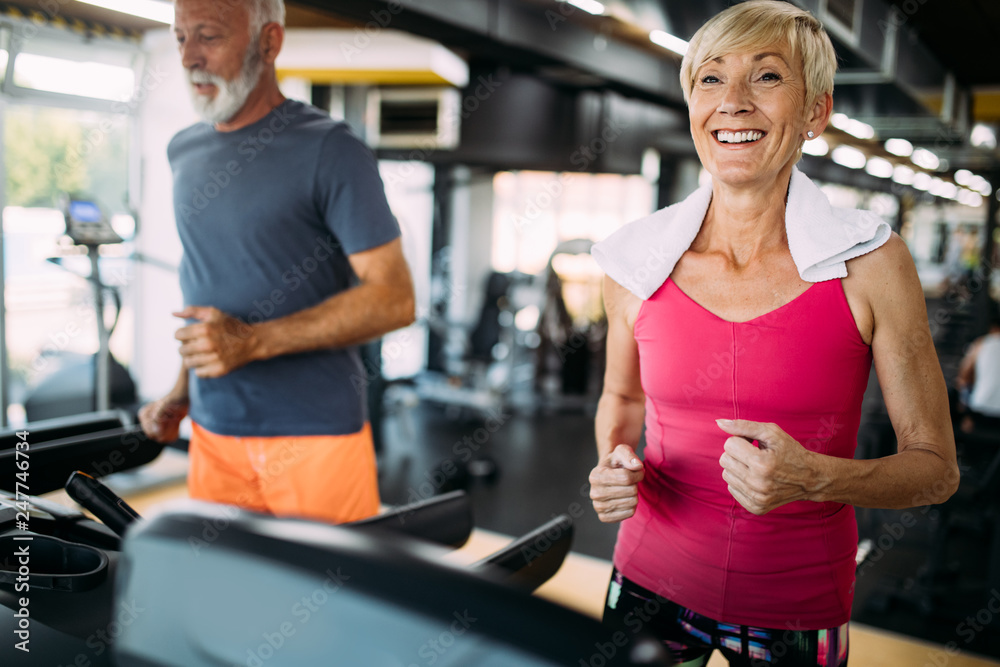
413 117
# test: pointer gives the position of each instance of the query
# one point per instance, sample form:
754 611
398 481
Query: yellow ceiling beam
383 77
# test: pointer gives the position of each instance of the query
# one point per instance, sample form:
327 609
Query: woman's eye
770 76
711 78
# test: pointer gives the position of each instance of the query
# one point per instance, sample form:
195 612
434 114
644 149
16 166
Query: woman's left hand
764 478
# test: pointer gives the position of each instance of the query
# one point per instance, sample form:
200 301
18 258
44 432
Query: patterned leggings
691 637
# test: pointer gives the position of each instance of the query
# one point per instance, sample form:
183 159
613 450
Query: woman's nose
736 99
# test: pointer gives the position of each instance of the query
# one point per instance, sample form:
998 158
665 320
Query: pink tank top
802 366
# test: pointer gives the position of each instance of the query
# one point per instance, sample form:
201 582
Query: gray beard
230 96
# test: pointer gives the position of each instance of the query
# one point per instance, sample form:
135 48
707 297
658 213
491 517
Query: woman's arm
924 470
620 412
621 408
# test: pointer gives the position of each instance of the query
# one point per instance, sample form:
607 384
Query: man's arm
382 302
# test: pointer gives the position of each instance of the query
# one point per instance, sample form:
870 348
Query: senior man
291 259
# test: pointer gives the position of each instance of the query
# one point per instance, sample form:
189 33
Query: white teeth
738 137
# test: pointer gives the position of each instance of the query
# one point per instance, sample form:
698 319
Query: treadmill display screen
84 211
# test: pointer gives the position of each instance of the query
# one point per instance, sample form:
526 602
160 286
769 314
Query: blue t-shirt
267 216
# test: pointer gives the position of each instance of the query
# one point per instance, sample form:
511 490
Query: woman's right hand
614 484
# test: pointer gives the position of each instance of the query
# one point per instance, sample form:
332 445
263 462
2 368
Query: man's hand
161 419
614 485
217 344
761 479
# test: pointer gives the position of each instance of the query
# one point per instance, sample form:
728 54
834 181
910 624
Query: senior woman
743 323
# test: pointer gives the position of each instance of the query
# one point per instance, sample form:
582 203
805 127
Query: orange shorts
327 478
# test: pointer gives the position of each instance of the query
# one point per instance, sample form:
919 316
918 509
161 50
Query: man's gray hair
263 12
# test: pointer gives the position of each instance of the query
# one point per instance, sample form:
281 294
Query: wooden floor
581 582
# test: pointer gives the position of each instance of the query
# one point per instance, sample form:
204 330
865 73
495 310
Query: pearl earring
810 134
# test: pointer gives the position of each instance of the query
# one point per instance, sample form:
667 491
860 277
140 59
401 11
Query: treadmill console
87 226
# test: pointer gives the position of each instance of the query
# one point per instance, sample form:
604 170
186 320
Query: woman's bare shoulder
885 283
619 303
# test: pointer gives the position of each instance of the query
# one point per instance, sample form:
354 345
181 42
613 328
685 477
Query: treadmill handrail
534 558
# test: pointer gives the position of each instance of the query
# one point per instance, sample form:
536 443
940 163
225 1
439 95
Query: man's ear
818 117
272 37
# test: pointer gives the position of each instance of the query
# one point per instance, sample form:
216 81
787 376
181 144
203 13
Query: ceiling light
154 10
879 167
970 198
668 41
963 176
900 147
949 190
853 127
860 130
849 157
903 175
924 158
977 183
985 189
817 146
983 136
923 181
589 6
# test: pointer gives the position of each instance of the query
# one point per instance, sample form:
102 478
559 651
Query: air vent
414 118
842 17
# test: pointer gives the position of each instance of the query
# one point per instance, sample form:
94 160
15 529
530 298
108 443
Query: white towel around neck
641 255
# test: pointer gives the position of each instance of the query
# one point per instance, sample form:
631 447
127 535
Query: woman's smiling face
748 115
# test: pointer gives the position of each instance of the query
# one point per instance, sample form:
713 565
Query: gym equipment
86 226
329 595
201 581
114 512
93 383
98 444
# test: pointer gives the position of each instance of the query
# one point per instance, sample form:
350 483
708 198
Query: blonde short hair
757 24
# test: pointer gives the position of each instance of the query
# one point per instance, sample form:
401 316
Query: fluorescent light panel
903 175
923 181
925 159
900 147
817 147
668 41
853 127
849 157
879 167
154 10
589 6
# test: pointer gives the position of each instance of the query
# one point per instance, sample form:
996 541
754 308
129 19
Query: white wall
471 245
167 109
